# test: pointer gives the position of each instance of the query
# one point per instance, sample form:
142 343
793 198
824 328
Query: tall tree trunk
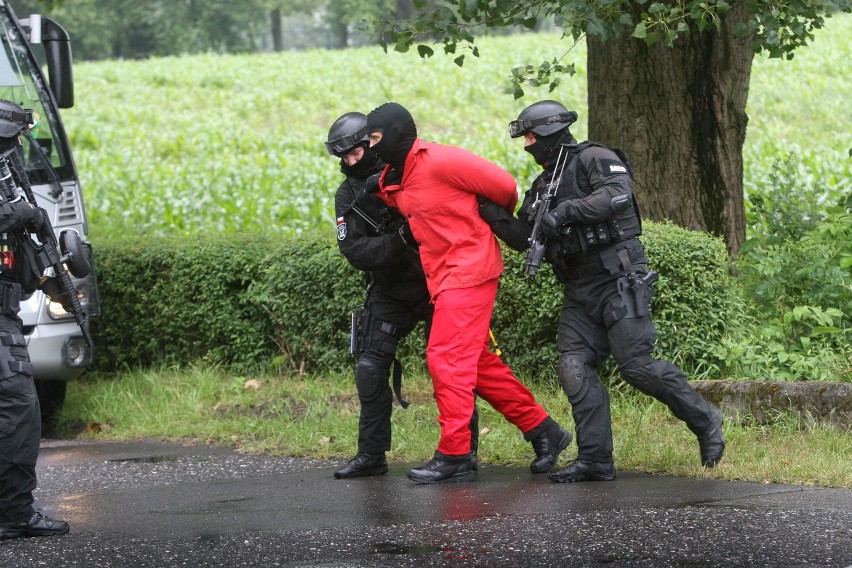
679 113
341 32
277 37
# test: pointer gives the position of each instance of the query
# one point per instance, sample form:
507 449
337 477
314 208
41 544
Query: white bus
29 45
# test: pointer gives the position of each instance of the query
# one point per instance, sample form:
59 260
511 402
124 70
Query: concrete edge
763 401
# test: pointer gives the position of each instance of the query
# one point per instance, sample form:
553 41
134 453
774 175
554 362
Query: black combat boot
444 469
711 442
584 470
363 465
36 525
548 439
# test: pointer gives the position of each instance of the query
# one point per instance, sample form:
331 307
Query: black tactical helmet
13 119
347 132
542 119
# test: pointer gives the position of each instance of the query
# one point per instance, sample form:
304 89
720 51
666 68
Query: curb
815 401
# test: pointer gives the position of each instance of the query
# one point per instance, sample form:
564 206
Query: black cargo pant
592 326
20 416
394 309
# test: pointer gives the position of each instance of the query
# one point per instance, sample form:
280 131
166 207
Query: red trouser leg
461 365
499 387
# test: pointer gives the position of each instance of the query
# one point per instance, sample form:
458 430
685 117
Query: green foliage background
209 196
283 304
234 142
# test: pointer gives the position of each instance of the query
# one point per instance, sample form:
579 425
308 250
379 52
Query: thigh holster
9 364
369 332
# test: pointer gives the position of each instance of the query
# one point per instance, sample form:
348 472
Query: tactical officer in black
376 239
591 240
20 416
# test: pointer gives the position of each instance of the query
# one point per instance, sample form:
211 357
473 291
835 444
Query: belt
596 266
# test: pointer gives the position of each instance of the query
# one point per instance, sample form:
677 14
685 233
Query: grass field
317 416
234 143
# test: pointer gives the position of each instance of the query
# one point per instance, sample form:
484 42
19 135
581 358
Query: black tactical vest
580 239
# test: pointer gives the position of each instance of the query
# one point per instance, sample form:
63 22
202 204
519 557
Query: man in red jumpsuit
435 187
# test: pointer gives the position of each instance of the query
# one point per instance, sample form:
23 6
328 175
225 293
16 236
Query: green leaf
671 35
459 60
801 312
640 32
425 51
823 330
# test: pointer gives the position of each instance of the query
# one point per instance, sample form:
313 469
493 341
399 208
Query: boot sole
457 477
580 479
46 532
365 473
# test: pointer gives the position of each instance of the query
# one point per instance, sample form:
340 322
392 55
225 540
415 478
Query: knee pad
371 378
572 377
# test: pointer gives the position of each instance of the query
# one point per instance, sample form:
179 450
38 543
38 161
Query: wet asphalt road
148 504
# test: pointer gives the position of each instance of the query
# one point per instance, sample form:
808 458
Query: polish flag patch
341 228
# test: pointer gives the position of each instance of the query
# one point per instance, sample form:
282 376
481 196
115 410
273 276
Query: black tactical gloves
504 225
551 223
371 184
489 210
34 218
41 224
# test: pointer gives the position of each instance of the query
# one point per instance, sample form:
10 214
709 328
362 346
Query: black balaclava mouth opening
398 132
546 147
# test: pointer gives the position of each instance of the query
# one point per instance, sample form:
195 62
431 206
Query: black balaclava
398 132
546 148
365 167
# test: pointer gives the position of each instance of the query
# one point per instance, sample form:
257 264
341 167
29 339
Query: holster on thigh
13 356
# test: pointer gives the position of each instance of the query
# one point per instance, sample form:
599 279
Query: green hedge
283 303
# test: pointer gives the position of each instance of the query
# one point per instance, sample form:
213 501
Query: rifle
535 254
47 254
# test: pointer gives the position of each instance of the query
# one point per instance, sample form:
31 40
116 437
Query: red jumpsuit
463 263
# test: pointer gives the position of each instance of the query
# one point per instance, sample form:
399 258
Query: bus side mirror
57 51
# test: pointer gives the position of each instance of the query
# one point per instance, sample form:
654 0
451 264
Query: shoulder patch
341 228
610 167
